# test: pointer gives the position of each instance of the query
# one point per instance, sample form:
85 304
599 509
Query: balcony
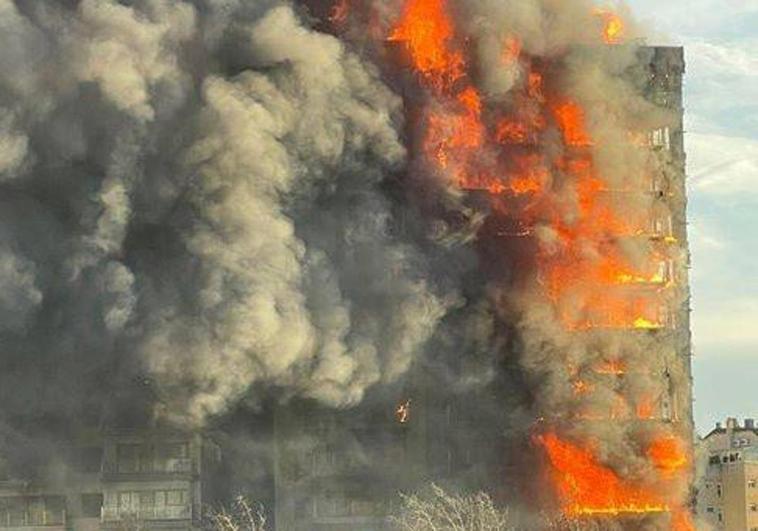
32 511
47 519
167 466
170 512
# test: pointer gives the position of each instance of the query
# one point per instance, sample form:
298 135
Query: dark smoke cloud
194 193
200 206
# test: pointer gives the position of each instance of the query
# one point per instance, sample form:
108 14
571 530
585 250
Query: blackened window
91 504
55 510
127 456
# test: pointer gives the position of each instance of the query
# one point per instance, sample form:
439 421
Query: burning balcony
618 313
579 208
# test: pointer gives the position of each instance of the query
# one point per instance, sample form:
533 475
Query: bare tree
440 511
241 516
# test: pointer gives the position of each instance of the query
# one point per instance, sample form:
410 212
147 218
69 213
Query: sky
721 121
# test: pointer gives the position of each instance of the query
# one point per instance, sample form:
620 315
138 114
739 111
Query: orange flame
592 281
570 118
457 139
682 521
581 387
646 408
427 31
668 454
613 26
614 367
585 487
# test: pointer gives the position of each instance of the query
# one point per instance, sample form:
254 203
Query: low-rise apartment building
149 479
728 491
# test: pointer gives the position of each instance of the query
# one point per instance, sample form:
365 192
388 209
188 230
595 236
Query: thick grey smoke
195 195
19 296
200 200
529 62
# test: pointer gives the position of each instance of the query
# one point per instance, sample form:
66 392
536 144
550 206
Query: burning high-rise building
571 185
406 241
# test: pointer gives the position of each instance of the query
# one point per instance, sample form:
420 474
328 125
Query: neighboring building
728 491
24 506
328 466
146 479
344 470
160 478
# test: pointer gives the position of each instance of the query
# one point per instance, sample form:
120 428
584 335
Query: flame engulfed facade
358 245
570 157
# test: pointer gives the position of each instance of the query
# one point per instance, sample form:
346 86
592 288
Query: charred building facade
474 421
408 242
124 479
342 470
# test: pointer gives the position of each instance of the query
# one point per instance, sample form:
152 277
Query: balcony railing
171 512
42 519
168 466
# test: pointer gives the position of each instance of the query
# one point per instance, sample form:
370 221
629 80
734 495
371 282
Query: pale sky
721 114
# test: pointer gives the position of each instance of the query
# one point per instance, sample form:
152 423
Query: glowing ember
614 367
613 26
581 387
646 408
585 487
403 412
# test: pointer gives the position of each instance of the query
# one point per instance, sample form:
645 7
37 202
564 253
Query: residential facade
147 479
728 490
342 470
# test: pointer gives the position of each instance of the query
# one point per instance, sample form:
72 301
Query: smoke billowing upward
540 108
231 201
213 221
